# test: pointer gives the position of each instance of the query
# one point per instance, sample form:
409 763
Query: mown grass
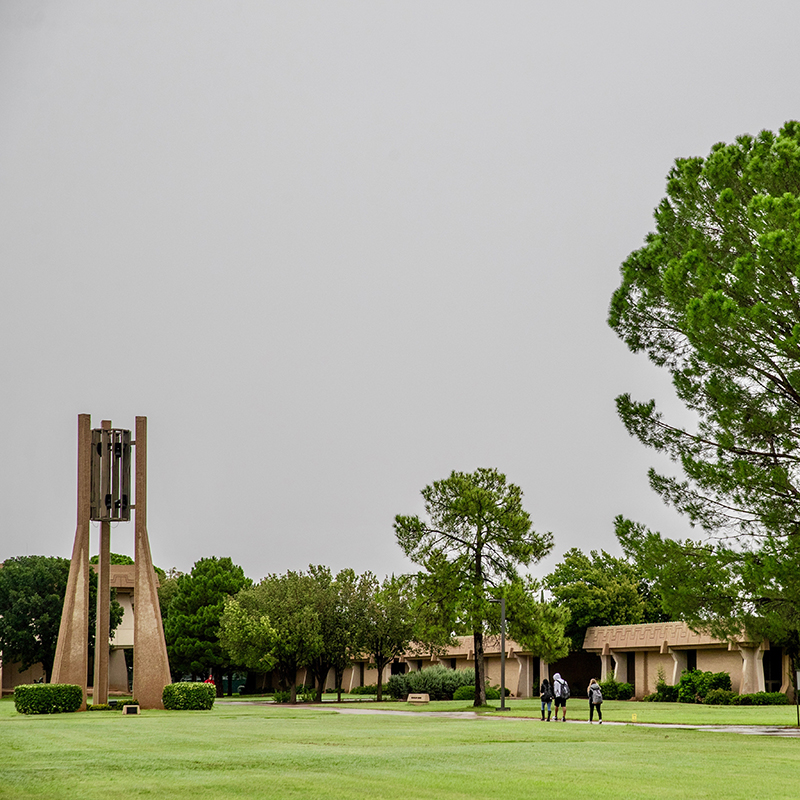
258 751
613 710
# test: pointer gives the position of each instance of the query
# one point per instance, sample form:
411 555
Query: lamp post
502 602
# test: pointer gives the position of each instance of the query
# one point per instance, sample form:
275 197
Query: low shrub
101 707
464 693
761 699
613 690
719 697
439 682
47 698
308 695
666 693
695 685
610 689
188 696
624 691
282 696
371 689
468 693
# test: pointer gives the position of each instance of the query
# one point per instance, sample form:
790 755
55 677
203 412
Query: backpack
564 690
597 695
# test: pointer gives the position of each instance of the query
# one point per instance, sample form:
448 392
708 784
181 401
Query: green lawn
257 751
613 710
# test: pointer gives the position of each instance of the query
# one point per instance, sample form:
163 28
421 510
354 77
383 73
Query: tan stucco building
636 654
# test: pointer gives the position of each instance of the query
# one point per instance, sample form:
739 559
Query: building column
544 670
752 669
524 676
620 666
117 671
681 662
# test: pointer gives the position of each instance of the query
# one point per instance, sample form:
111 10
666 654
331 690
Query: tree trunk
321 677
217 672
338 675
480 669
380 667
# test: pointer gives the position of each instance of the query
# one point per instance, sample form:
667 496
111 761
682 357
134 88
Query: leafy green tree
246 633
285 601
115 558
535 624
32 590
388 623
475 538
599 589
192 626
341 605
713 297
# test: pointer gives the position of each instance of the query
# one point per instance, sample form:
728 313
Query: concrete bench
418 699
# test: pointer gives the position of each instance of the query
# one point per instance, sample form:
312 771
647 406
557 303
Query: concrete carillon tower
104 496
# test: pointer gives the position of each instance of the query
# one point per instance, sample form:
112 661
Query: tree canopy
475 538
32 590
192 623
712 297
599 589
387 629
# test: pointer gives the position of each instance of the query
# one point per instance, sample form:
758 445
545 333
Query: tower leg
71 663
150 663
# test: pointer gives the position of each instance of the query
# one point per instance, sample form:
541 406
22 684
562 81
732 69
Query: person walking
561 695
595 701
546 696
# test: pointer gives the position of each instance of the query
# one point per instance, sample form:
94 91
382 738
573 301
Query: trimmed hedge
695 685
372 688
468 693
612 690
761 699
189 696
48 698
439 682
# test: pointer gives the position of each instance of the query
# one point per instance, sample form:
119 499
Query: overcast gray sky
335 250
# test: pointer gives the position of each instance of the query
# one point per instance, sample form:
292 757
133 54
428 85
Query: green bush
612 690
282 696
101 707
719 697
47 698
464 693
695 685
761 699
437 681
666 693
624 691
371 689
189 696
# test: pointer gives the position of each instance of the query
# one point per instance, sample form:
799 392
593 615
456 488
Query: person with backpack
561 695
595 700
546 696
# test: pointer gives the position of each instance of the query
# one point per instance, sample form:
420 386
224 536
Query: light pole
502 602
